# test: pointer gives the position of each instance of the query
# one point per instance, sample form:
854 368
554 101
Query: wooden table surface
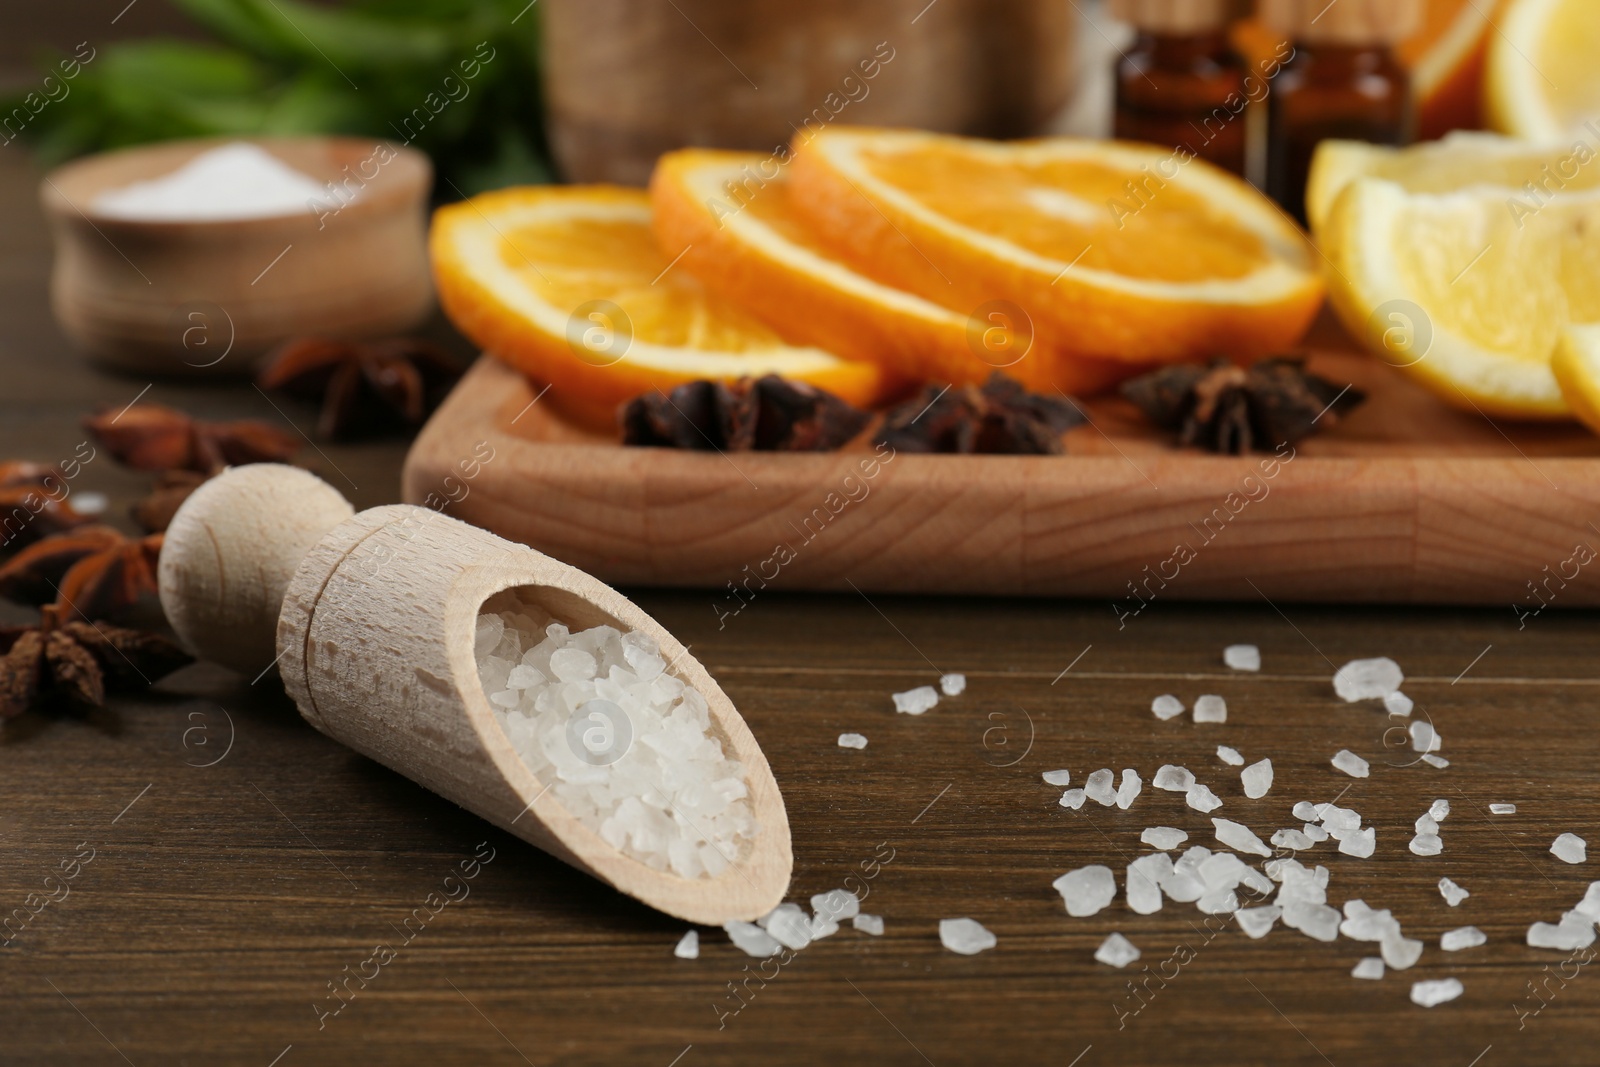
243 865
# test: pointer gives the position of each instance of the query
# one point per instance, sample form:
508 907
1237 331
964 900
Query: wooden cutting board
1405 501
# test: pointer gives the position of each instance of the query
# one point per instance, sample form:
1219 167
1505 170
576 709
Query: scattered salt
688 947
1257 779
852 741
1305 811
1210 708
1173 779
966 936
1351 764
836 904
1242 657
952 685
916 701
1166 707
1570 848
1427 845
1590 904
1073 799
1462 937
1239 836
1370 967
1130 788
1452 893
1116 950
1230 756
1433 760
1397 703
1314 920
1401 953
1257 922
1502 809
1575 931
1292 839
1202 799
1314 833
235 181
868 924
1142 883
1086 890
753 940
1062 777
1099 787
1439 809
1163 837
1360 843
1367 679
1426 824
789 924
1424 738
1428 994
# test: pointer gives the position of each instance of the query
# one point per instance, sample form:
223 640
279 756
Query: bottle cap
1176 17
1347 22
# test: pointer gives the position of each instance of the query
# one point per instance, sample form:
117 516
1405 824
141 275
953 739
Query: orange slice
727 217
568 285
1114 251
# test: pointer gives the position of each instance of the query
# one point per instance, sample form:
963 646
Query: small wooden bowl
209 297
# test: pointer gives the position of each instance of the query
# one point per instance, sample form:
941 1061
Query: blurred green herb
457 79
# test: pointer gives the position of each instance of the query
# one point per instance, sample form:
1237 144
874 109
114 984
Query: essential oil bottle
1342 80
1181 83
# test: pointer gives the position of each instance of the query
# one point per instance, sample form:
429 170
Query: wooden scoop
375 617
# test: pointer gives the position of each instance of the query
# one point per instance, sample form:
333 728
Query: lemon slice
1542 79
1577 370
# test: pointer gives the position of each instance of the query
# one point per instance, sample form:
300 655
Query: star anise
366 387
769 414
149 437
77 662
1000 418
1231 409
91 572
33 503
154 511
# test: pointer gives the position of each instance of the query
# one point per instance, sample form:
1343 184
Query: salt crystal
1400 953
1336 818
1439 809
688 947
1433 760
1370 967
752 939
1257 779
1291 839
1575 931
1230 756
1163 837
952 685
1218 901
1099 787
487 636
966 936
1570 848
1073 799
1257 922
1424 738
1502 809
1116 950
1461 937
852 741
1590 904
1314 833
789 924
1184 884
1360 844
1362 923
523 676
1428 994
1086 890
916 701
1426 824
234 181
1305 811
836 904
1131 785
572 665
1314 920
1173 779
1202 799
1427 845
1452 893
868 924
1239 836
1351 764
1242 657
1062 777
1367 679
1166 706
1397 703
1210 708
1142 883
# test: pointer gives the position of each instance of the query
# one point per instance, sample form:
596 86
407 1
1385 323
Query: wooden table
243 865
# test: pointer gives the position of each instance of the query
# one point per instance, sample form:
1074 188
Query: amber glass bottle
1342 80
1180 83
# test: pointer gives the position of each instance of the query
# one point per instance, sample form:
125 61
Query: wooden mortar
375 645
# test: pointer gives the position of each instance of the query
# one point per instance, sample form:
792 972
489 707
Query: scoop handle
230 552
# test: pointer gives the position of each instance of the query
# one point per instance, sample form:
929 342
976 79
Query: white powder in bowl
235 181
623 745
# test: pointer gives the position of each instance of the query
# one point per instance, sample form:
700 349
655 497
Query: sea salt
1257 779
1435 760
1062 777
1142 882
952 685
1242 657
868 924
1072 799
1426 824
1502 809
1370 967
1257 922
1397 703
1462 937
1241 837
1202 799
1400 953
1166 707
966 936
789 924
1099 787
753 940
1452 893
1360 843
626 748
1424 738
1351 764
1230 756
1314 833
1367 679
1570 848
1439 810
836 904
1426 845
1173 779
1086 890
1305 811
688 947
1116 950
1210 708
852 741
1130 788
1574 931
916 701
234 181
1163 837
1292 839
1428 994
1314 920
1590 904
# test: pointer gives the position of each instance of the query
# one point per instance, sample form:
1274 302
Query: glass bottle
1342 80
1181 83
